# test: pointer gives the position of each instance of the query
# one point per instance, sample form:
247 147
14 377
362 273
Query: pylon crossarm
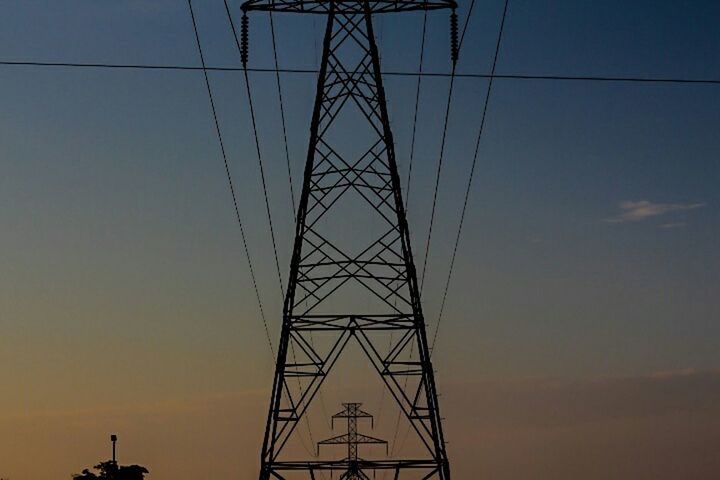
338 440
343 465
368 440
343 322
357 414
346 6
359 439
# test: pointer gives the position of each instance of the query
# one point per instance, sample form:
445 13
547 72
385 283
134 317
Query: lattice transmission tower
352 413
352 275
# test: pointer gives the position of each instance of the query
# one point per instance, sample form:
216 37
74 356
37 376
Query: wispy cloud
636 211
673 225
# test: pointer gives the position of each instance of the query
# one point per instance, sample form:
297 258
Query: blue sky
590 246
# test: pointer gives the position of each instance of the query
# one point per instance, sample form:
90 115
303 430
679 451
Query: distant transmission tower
352 439
352 274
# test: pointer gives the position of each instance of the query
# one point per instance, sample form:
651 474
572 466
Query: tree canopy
112 471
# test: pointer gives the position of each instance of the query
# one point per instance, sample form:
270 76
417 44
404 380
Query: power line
437 181
395 73
456 52
282 111
259 154
471 176
592 78
262 175
229 178
440 162
467 22
264 184
417 106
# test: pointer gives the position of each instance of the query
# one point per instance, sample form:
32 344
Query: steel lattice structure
346 292
351 413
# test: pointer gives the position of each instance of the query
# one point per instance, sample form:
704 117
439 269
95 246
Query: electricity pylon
352 274
351 412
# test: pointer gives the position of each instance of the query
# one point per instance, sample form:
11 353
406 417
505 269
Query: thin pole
113 439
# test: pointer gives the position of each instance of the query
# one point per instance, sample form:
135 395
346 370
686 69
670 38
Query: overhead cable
392 73
259 154
417 107
230 180
470 177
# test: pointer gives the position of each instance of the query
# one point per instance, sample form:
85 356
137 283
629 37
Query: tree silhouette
112 471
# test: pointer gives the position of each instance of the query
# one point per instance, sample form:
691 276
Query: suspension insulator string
454 48
244 40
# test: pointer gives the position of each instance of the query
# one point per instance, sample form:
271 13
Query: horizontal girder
346 6
362 464
351 322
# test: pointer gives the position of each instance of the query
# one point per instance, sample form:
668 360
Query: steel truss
352 439
321 267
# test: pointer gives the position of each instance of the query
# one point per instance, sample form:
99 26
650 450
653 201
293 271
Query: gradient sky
583 317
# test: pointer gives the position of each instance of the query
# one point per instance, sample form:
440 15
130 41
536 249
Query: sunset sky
581 336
